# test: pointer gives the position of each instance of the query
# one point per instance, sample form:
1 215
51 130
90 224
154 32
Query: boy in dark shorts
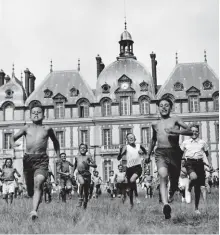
133 153
195 149
63 169
36 160
83 175
168 153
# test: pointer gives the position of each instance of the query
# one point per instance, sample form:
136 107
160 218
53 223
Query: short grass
105 216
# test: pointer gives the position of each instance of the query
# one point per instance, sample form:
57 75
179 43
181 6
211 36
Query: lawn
107 216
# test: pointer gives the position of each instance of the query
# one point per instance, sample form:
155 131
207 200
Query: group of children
168 155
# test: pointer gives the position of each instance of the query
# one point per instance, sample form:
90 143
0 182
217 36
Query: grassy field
110 216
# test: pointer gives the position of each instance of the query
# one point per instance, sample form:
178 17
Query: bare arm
17 136
17 173
122 152
91 162
153 142
209 159
185 131
55 141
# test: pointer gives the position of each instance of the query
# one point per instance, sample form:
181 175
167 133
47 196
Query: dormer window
59 110
207 85
106 107
144 86
83 108
9 94
144 105
216 101
105 88
74 92
193 96
8 111
48 93
178 86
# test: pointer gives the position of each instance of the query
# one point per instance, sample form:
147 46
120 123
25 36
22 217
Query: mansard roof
187 75
13 91
61 84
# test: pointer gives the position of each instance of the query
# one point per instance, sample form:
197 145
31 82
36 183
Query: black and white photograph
109 117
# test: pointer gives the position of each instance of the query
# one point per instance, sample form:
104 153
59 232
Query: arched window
106 107
144 106
83 109
9 112
216 102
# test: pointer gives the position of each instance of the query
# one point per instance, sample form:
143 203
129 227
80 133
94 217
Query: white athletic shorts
8 187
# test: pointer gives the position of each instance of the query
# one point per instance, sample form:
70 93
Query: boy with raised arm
36 160
82 164
8 177
168 154
133 153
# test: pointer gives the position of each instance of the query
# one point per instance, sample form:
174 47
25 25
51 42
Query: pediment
59 97
193 90
124 78
129 90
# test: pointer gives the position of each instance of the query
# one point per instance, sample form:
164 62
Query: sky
32 32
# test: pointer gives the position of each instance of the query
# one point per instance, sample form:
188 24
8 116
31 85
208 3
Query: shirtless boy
168 153
63 169
36 160
8 177
83 163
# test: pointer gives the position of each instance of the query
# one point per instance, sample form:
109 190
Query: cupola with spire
126 45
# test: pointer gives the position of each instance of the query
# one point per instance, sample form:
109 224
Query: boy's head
120 168
8 162
96 173
63 157
111 173
131 138
83 148
37 113
183 162
148 172
165 105
195 130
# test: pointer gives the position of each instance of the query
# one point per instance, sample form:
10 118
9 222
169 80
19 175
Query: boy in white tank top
134 154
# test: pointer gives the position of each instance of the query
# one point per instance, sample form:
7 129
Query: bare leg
132 185
203 190
81 189
11 197
38 190
163 172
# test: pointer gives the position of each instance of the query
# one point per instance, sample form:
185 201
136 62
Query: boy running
195 149
112 183
63 169
83 175
8 177
120 179
133 153
168 153
36 160
97 184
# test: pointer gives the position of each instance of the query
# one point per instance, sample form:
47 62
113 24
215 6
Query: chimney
27 74
31 83
2 77
98 60
154 70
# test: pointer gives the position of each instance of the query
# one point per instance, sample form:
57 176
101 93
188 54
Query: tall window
106 138
124 132
60 137
216 103
107 168
125 105
145 135
193 103
217 131
7 137
84 137
59 110
83 110
106 108
9 112
145 106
